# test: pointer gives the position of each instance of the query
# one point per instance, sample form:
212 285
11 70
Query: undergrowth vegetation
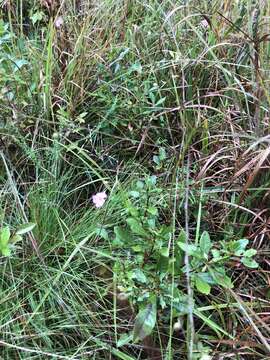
134 179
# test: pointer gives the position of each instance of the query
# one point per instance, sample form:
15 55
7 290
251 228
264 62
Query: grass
119 92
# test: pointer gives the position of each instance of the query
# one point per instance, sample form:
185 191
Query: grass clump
164 108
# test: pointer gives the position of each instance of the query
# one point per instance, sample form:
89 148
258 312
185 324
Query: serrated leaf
4 236
25 228
250 263
145 322
202 286
205 243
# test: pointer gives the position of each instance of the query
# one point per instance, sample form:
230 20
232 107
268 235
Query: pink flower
59 22
204 23
99 199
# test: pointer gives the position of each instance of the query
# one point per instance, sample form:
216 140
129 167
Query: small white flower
122 296
177 326
99 199
59 22
206 357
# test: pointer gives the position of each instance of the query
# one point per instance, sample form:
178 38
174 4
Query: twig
246 311
32 351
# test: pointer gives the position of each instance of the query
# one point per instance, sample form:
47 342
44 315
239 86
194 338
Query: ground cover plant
134 179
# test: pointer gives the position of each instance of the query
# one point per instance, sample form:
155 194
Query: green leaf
136 227
162 302
18 63
250 252
188 248
164 252
181 304
145 321
160 101
132 210
221 278
102 233
37 16
117 353
182 236
137 249
202 286
15 239
151 180
250 263
206 277
179 259
121 235
218 329
238 247
162 153
165 232
134 194
136 67
25 228
140 184
156 159
138 275
151 223
205 243
4 236
124 340
5 251
216 254
162 266
152 210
